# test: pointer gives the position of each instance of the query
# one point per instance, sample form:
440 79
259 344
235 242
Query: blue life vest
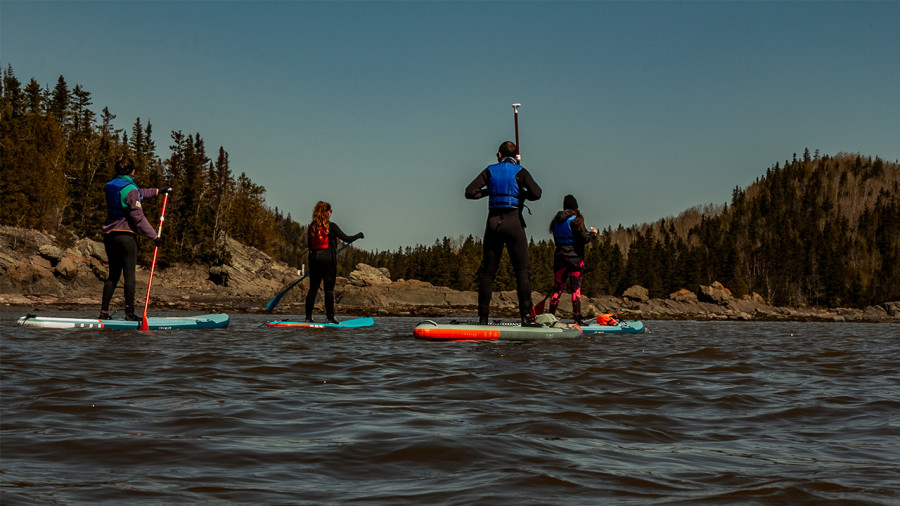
504 190
115 196
562 232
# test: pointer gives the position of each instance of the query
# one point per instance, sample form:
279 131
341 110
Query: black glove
157 241
362 235
165 190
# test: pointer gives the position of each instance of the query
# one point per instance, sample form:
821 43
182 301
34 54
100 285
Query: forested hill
57 155
813 230
816 230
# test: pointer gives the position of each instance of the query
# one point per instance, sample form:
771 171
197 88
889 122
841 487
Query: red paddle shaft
162 214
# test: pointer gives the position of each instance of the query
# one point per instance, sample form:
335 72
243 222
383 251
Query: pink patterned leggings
571 269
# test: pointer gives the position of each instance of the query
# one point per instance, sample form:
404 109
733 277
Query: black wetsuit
323 266
505 227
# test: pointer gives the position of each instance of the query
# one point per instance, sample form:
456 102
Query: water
692 413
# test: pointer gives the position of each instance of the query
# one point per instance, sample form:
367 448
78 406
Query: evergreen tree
59 104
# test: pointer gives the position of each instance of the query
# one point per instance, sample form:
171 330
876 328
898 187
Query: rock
366 275
28 276
219 274
874 313
51 253
66 268
90 248
715 293
755 298
100 270
683 295
408 293
637 293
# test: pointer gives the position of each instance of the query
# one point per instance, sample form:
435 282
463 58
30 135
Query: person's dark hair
124 165
570 204
508 148
578 221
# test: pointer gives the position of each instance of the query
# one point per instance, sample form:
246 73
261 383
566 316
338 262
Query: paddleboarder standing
570 236
124 219
507 185
323 238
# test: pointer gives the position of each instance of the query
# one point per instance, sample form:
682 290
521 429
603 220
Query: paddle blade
275 300
539 307
144 324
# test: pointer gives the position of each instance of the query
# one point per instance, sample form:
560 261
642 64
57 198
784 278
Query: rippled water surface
691 413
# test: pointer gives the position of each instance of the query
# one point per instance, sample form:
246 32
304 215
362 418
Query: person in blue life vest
570 236
323 238
507 185
124 219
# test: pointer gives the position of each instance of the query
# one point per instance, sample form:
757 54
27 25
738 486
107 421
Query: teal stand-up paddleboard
358 322
622 327
206 321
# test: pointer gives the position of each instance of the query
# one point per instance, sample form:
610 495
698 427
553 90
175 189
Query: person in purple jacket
124 219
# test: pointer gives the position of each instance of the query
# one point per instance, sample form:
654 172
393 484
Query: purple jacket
134 219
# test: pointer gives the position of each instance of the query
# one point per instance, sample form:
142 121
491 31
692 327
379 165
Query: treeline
814 230
57 155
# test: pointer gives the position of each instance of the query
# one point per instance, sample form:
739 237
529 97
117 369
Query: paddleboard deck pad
355 323
206 321
497 331
623 327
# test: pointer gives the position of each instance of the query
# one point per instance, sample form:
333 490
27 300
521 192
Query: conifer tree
59 104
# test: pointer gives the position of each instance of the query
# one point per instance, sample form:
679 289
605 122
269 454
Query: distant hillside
815 230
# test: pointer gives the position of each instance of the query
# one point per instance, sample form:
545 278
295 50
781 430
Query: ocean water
690 413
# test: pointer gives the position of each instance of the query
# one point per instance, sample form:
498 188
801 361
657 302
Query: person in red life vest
507 185
323 239
124 219
570 236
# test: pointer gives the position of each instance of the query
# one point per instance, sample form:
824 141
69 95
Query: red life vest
607 319
318 241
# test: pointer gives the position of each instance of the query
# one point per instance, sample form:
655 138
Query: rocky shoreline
38 273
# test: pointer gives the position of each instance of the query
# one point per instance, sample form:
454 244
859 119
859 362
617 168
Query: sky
387 110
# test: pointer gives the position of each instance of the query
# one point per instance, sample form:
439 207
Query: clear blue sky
388 109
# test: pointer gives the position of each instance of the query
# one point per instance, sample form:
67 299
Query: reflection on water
694 412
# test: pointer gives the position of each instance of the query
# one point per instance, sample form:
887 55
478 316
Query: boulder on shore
715 293
366 275
683 295
637 293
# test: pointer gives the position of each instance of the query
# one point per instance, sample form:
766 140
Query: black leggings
121 252
505 230
322 266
